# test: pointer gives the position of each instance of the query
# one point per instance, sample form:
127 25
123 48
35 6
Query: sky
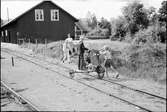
78 8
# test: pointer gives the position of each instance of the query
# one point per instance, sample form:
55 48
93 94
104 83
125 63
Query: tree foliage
118 29
162 17
98 28
163 12
91 20
152 15
145 29
135 16
104 23
140 24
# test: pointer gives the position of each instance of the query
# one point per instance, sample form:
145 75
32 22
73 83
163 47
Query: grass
98 44
146 62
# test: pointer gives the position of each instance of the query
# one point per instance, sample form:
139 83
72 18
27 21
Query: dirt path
52 92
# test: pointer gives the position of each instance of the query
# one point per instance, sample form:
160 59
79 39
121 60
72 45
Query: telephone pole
8 14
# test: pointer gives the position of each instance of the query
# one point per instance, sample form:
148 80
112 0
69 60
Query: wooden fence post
29 43
46 43
61 49
45 47
18 41
23 43
12 61
36 43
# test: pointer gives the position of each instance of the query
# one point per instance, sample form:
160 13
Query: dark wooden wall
52 30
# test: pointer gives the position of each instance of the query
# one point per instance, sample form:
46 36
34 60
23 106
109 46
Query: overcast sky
78 8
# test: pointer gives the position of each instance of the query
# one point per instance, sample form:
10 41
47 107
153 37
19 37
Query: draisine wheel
100 71
100 75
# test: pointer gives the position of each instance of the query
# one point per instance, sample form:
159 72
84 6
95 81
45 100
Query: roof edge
13 20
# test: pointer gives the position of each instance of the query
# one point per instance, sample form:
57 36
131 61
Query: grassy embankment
146 61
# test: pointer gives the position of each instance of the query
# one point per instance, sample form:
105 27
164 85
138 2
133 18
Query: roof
33 8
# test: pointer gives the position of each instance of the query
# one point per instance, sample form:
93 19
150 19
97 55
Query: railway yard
34 82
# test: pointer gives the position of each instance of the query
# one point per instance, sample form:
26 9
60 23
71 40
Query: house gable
44 2
27 26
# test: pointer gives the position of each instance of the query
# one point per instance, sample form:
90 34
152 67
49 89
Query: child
82 48
67 48
65 51
108 61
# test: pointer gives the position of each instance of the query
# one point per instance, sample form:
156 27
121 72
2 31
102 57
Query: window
6 32
17 34
54 15
39 15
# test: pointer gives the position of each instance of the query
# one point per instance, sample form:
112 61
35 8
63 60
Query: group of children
81 50
68 47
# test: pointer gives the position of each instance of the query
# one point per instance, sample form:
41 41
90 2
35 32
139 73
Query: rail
21 98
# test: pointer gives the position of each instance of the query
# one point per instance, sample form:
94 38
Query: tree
118 29
104 24
163 12
162 21
136 17
152 15
91 20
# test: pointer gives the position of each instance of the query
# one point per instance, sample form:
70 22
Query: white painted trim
52 12
6 32
37 11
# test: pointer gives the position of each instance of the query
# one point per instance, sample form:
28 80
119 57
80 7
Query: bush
147 35
146 61
99 32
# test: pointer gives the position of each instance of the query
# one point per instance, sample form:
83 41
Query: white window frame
37 13
52 12
6 32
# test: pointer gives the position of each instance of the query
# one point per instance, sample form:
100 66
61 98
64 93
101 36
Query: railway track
26 103
109 81
95 88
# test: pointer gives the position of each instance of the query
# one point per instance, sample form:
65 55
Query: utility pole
8 14
97 28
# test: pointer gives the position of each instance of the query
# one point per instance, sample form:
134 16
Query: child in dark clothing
82 48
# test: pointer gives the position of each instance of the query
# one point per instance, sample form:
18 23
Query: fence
42 47
97 37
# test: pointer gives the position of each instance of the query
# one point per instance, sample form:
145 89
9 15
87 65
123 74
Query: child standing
82 49
67 48
108 61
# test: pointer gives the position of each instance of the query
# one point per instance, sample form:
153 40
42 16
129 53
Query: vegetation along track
26 103
160 99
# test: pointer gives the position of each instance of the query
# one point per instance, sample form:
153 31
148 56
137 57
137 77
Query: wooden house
46 20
